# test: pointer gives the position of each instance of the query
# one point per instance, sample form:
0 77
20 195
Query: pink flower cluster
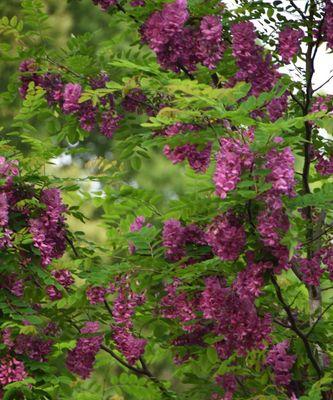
311 270
177 305
11 370
176 237
234 318
229 383
226 236
198 159
48 230
178 46
328 23
67 97
289 43
232 160
33 347
281 362
324 165
123 310
253 66
136 226
81 359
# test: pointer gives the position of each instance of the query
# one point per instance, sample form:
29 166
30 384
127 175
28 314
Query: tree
227 285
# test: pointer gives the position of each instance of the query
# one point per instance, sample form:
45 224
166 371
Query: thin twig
318 319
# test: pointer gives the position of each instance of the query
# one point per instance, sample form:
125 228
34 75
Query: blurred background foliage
67 21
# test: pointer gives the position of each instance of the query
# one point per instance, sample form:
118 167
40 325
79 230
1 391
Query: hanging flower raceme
131 346
289 43
281 362
235 319
324 165
182 47
233 158
81 359
48 230
253 66
11 370
226 236
104 4
328 24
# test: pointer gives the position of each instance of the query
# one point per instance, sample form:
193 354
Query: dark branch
294 327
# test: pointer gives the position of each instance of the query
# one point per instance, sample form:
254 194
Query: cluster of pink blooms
233 158
176 237
249 281
281 362
67 97
226 236
229 383
289 43
198 159
273 222
48 230
313 269
328 23
235 319
64 278
123 310
96 294
256 68
253 66
324 165
179 46
32 346
11 370
81 359
177 305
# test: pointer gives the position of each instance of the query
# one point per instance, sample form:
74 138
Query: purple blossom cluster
289 43
67 97
123 311
198 160
181 46
33 347
81 359
311 270
281 362
177 305
234 318
226 236
96 294
324 165
176 237
328 23
48 230
232 160
254 67
11 370
229 383
282 175
249 282
197 157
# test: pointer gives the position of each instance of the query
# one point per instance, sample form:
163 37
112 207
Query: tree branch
294 327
